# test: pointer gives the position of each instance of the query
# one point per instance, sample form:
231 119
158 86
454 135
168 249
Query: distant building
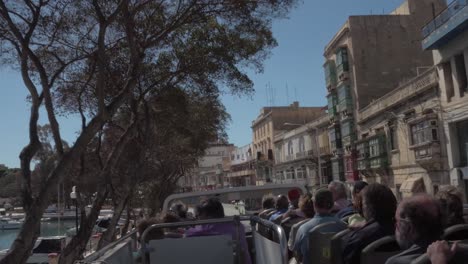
271 121
213 167
296 154
367 58
242 171
447 36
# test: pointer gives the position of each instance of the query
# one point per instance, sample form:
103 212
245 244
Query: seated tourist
323 205
451 203
357 220
282 205
171 217
379 206
306 205
268 203
212 209
341 204
418 224
180 209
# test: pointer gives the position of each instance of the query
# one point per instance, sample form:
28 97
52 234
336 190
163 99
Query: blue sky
296 63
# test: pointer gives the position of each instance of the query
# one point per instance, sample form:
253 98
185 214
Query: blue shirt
278 214
301 245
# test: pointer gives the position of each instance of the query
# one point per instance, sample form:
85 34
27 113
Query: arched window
290 148
301 144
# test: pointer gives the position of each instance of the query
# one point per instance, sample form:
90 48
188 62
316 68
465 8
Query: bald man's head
419 220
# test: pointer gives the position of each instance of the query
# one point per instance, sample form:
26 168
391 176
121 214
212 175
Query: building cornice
403 93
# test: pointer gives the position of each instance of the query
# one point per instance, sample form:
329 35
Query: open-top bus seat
380 250
460 257
265 213
320 241
456 232
337 246
210 249
206 249
270 245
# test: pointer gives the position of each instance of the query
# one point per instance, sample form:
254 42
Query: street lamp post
74 198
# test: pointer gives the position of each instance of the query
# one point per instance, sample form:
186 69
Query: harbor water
51 228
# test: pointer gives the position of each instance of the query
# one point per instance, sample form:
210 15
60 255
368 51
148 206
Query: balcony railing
443 17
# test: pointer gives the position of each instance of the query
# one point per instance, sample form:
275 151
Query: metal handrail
97 254
444 16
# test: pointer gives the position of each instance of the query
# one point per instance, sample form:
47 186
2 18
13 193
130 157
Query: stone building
401 138
242 171
271 121
212 169
367 58
447 37
296 152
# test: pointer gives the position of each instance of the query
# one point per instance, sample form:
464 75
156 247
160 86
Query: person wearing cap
323 204
294 211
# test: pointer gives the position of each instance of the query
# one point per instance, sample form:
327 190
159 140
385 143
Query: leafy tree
94 57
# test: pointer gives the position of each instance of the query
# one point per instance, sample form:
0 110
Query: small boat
42 248
8 224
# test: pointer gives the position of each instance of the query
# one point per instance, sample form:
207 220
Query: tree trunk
108 235
127 222
77 246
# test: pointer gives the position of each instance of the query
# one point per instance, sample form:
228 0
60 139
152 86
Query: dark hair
452 207
425 216
306 204
359 186
268 202
180 209
211 208
379 203
282 202
157 233
170 217
324 199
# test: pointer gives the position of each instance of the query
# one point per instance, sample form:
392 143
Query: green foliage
8 182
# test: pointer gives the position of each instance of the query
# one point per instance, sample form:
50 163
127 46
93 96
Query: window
330 75
362 150
423 132
461 73
301 144
461 128
337 170
342 57
376 146
290 148
392 131
301 172
346 129
290 174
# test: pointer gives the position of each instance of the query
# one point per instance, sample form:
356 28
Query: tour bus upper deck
270 244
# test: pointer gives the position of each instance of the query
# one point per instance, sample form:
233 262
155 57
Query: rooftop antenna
287 94
273 95
295 94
